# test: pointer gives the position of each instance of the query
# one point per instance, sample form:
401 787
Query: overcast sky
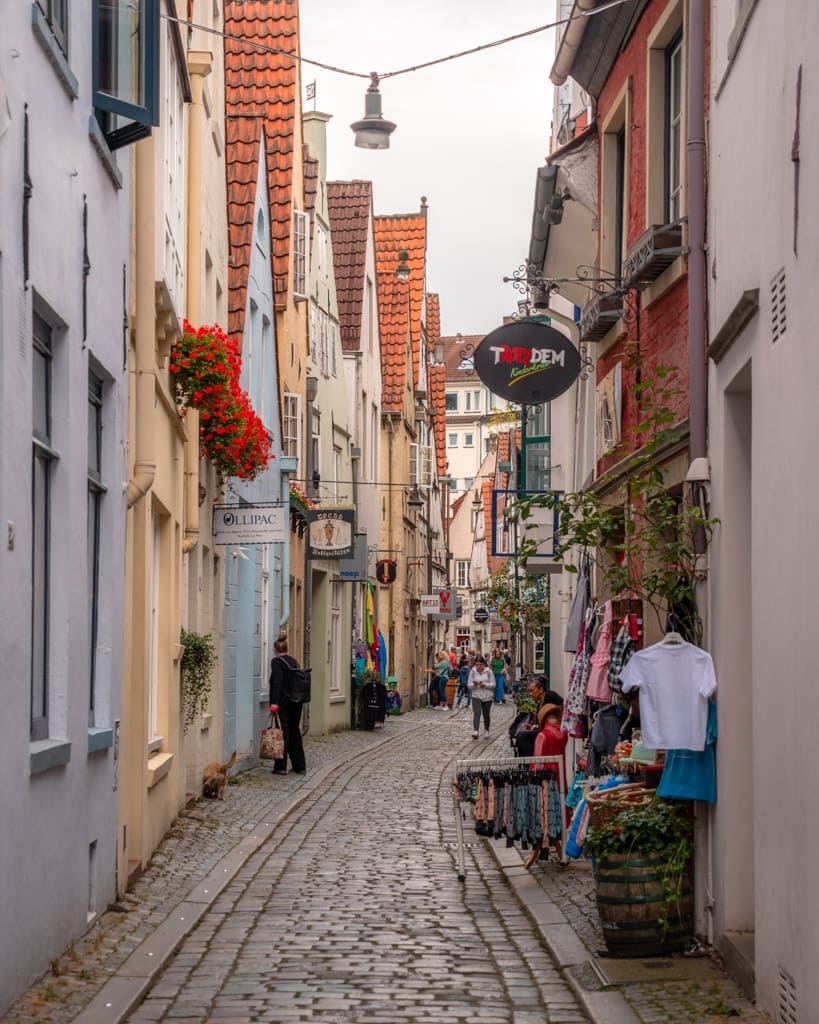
471 133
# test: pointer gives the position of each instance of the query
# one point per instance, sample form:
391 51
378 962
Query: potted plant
642 856
197 664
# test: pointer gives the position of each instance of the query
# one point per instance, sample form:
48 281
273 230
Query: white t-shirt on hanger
675 682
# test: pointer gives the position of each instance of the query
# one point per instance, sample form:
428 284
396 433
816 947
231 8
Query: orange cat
214 779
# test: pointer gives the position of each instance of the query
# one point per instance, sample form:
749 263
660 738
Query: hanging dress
597 687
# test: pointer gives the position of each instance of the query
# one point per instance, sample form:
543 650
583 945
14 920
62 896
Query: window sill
100 739
108 160
338 698
46 39
158 767
615 333
665 282
47 754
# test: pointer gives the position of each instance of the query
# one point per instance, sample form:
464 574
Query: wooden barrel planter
632 905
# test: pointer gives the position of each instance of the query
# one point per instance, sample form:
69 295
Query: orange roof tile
260 93
408 232
456 350
311 174
350 206
394 317
437 384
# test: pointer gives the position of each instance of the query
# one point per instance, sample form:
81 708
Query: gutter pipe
570 43
145 333
696 229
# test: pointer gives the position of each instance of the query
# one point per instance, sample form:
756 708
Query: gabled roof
437 384
260 92
392 235
458 356
350 207
394 318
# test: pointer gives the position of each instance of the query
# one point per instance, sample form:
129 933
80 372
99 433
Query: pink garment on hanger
598 686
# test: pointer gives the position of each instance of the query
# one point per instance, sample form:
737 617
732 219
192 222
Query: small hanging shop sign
527 362
385 569
331 532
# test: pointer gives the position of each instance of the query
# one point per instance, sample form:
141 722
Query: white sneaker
486 734
474 735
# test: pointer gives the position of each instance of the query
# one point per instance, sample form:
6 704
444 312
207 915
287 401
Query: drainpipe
145 335
199 66
288 467
570 43
312 387
696 228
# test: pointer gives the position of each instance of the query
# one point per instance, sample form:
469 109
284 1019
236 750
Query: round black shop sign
481 615
527 362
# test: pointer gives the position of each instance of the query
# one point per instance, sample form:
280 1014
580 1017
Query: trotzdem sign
527 362
249 524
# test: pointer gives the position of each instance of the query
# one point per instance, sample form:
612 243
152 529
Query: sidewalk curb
565 946
134 978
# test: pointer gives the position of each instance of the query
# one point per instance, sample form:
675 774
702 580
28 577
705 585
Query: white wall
762 448
48 883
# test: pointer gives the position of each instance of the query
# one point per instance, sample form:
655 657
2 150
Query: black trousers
290 717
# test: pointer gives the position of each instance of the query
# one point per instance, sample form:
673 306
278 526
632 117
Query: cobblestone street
334 897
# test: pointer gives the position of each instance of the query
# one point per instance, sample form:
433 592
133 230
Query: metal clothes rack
502 764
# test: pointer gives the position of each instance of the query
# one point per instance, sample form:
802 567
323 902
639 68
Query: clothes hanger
672 633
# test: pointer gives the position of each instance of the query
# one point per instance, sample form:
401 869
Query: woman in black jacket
289 710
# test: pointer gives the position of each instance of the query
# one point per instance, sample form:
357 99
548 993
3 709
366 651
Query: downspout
570 43
199 67
145 334
696 229
390 544
286 473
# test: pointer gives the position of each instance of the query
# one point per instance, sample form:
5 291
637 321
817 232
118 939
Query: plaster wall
762 445
51 883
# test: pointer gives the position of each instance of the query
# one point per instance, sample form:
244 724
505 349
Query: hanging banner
249 524
331 532
527 362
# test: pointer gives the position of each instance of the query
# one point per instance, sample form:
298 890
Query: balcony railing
600 315
653 252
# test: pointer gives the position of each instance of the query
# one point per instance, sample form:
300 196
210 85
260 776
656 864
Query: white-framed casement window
154 733
96 490
614 219
468 399
333 348
666 116
173 151
452 440
291 429
301 256
469 440
476 400
334 644
324 342
313 331
44 462
461 573
452 401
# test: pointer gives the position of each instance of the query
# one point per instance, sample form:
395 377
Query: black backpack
296 683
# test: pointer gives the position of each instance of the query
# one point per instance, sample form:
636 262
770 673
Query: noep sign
527 362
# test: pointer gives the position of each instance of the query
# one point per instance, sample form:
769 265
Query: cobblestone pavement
348 909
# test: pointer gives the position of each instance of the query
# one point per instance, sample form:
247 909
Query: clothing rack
476 764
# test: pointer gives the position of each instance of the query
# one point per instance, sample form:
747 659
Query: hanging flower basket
299 497
207 366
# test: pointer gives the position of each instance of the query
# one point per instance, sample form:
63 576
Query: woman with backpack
289 710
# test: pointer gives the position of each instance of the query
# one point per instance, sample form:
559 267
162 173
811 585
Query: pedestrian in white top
482 684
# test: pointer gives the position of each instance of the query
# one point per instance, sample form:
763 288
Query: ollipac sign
527 362
249 524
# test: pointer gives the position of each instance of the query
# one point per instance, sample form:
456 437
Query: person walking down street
289 710
482 687
442 670
464 668
498 666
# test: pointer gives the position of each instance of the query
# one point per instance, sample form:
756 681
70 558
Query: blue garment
692 774
382 655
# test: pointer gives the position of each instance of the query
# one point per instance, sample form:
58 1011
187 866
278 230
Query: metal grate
779 320
787 998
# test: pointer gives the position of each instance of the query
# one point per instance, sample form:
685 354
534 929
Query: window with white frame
301 256
324 342
469 440
96 490
615 186
468 400
476 399
461 573
43 463
173 143
452 440
291 429
665 117
334 644
314 332
452 401
154 734
674 138
321 253
333 348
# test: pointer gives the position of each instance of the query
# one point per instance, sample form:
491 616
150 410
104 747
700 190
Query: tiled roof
350 206
392 235
393 314
311 174
260 93
456 349
437 384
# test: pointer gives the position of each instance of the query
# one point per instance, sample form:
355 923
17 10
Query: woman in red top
550 742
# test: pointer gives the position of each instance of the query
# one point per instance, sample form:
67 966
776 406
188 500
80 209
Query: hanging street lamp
374 130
